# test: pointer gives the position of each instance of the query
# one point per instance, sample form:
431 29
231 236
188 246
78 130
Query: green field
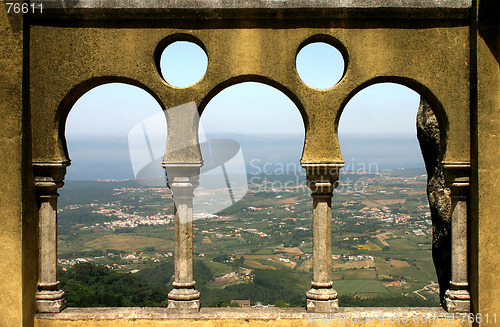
130 243
218 269
356 286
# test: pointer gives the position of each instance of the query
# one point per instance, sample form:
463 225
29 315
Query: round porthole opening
320 65
183 63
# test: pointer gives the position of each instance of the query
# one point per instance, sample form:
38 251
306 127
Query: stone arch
432 125
77 92
259 79
433 104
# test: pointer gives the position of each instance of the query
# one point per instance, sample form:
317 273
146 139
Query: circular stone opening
183 63
320 65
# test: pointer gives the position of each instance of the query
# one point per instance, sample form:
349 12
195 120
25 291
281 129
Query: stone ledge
83 314
55 11
240 4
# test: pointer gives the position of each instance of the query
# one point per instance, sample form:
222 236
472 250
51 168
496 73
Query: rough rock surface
439 198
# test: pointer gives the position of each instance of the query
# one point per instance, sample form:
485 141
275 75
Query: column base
328 306
322 300
50 301
192 306
184 299
457 301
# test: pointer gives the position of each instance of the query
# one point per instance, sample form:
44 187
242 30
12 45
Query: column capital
322 177
183 178
457 177
49 175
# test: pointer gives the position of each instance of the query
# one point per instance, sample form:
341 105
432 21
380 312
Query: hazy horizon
95 157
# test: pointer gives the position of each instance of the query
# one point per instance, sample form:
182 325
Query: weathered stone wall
18 242
485 114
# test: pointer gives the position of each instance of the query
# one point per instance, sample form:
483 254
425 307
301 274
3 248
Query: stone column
457 176
49 177
182 180
182 162
322 180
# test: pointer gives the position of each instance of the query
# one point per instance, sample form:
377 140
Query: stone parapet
252 9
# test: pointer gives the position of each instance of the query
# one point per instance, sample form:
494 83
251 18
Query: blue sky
384 112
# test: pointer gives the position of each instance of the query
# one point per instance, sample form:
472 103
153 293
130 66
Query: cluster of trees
226 259
90 285
268 287
83 216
